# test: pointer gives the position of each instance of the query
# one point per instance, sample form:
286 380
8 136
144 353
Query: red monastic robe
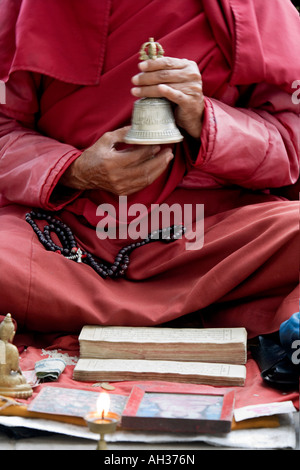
67 67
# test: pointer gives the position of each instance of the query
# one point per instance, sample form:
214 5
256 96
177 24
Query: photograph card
72 402
178 409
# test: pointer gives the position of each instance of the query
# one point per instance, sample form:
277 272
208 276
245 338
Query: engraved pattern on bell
153 123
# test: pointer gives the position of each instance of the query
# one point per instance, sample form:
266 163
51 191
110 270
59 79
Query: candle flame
103 404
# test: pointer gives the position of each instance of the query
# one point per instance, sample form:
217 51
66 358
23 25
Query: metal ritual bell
152 119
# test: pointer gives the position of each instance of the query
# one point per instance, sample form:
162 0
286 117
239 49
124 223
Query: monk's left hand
178 80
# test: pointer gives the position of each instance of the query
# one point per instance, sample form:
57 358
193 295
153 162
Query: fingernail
135 91
135 79
143 65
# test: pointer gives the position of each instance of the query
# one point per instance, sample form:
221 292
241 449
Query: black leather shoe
276 368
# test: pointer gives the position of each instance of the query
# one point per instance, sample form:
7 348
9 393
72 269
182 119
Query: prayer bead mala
70 250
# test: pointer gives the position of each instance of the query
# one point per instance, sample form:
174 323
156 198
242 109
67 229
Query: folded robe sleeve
30 163
256 147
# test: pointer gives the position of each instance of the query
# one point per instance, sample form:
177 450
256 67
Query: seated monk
70 188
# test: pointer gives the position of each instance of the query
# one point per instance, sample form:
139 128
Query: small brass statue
152 119
12 381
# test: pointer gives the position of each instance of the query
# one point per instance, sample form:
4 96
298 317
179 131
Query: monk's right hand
121 172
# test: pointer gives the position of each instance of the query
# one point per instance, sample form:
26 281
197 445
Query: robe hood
62 39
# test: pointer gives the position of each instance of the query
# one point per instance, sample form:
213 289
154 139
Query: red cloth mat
31 348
